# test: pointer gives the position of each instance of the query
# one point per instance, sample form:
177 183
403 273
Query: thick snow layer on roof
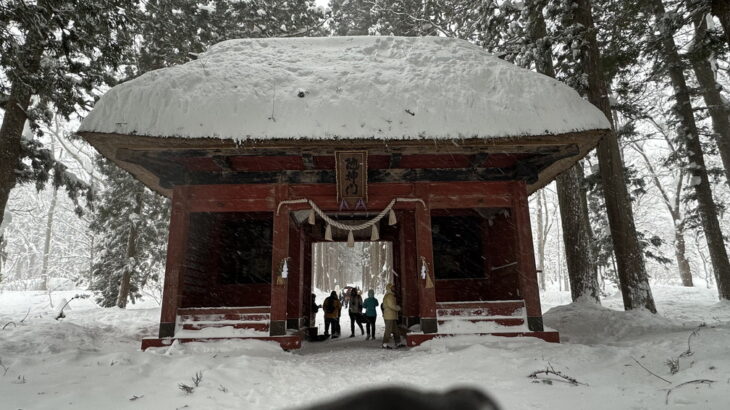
343 87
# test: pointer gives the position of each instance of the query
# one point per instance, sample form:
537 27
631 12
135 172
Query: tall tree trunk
47 241
721 9
689 136
716 105
540 243
680 251
11 130
2 254
541 217
633 280
578 239
10 137
91 259
126 282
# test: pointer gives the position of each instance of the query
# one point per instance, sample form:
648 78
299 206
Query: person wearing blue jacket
370 313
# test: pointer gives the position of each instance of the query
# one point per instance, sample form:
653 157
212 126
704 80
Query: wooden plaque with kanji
352 176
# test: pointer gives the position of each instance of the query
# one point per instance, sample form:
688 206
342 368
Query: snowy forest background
74 220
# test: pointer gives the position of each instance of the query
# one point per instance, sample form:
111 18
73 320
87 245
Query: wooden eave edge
109 143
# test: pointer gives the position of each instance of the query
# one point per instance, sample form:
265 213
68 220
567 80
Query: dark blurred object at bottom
404 398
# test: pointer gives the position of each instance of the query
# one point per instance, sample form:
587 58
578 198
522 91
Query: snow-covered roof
343 87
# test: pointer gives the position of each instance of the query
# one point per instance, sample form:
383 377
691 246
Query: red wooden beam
469 194
260 197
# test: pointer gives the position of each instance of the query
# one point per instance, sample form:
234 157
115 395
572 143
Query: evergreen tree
386 17
721 9
633 279
634 101
578 239
706 46
352 17
173 32
131 222
53 55
670 62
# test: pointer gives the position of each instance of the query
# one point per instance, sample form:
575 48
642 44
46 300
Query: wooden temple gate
507 251
248 144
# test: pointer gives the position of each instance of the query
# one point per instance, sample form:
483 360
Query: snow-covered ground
91 360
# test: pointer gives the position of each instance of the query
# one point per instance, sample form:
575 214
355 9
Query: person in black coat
313 312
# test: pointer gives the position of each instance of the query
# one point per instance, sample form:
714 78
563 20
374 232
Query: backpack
329 306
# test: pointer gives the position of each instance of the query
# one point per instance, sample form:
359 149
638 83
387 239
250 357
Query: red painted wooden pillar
424 255
407 266
295 281
306 270
174 268
526 270
279 252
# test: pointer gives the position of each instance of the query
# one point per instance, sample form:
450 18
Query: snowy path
91 361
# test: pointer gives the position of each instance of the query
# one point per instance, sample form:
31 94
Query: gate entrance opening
366 265
338 267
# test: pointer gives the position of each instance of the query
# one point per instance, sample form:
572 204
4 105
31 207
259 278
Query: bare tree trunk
633 279
540 242
2 254
674 208
47 240
125 284
721 9
685 272
10 137
710 89
578 239
690 137
91 260
11 130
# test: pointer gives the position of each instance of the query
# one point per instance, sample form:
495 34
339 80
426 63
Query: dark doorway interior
228 259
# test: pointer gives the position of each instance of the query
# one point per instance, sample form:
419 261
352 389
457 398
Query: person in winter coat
345 296
355 311
370 314
314 310
390 316
332 308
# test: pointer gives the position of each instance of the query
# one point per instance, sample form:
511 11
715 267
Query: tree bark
47 241
680 251
11 131
571 195
126 281
540 243
10 138
716 104
721 10
633 279
91 259
577 238
689 136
